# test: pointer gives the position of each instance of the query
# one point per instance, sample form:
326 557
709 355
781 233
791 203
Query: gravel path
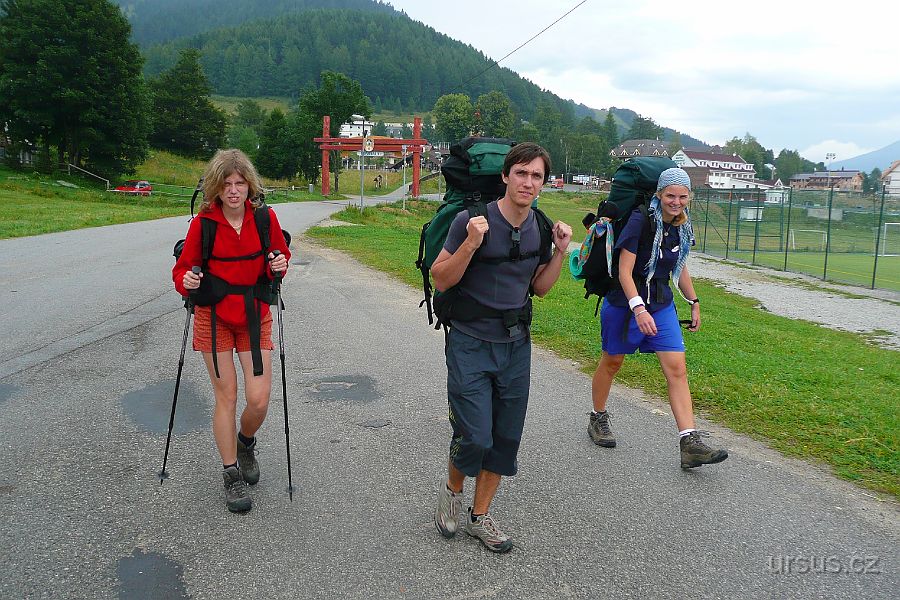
846 308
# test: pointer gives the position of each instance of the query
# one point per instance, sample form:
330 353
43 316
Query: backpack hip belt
214 289
454 306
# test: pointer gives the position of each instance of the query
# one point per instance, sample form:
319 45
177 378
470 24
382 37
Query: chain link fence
847 237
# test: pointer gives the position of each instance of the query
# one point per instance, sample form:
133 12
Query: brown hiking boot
695 453
249 466
599 430
236 497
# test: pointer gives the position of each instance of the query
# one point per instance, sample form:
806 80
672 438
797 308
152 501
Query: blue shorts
613 320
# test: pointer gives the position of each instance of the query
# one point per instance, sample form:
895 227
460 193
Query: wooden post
417 156
326 175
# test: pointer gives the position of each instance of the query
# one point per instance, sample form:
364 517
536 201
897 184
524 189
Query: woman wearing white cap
640 313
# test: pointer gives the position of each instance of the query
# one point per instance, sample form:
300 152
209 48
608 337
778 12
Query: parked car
557 183
133 186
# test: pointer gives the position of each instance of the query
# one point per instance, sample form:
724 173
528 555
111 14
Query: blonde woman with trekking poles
240 274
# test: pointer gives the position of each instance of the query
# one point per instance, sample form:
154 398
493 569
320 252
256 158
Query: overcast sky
816 77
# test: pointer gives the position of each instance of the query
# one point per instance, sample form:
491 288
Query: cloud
842 151
786 72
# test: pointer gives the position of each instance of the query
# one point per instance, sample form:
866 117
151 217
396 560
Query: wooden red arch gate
326 143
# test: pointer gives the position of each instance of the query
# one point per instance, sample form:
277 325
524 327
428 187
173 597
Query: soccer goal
808 239
890 240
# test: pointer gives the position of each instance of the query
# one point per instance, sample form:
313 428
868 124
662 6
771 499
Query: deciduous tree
338 96
497 118
454 116
70 79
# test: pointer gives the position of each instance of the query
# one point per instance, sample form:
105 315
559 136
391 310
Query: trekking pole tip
163 475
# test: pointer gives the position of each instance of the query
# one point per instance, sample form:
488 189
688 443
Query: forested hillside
401 64
159 21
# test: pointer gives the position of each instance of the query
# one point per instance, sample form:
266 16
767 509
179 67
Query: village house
357 127
890 179
844 180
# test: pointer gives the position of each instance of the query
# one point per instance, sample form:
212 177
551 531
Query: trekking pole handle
276 254
196 270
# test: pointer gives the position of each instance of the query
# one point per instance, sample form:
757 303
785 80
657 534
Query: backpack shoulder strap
545 226
208 239
478 208
263 220
647 233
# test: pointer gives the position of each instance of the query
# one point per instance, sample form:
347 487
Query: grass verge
33 204
809 392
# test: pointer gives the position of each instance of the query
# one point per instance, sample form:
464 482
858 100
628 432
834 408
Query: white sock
685 433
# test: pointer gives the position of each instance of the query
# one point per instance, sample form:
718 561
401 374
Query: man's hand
562 235
475 230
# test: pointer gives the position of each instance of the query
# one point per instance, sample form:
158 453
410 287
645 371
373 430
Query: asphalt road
91 335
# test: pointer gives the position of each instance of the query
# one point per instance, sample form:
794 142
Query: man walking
493 261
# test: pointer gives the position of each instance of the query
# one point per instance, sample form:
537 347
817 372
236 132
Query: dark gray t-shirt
502 286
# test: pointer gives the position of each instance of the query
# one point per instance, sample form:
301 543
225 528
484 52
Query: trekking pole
287 431
189 307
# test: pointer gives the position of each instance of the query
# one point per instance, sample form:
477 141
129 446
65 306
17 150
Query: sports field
797 239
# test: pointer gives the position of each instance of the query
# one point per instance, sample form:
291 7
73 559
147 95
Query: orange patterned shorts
227 336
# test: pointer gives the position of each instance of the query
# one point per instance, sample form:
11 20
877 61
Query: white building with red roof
725 170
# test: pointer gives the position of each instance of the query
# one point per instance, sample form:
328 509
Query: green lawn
808 391
33 204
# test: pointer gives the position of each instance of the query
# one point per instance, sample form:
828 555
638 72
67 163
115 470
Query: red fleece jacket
228 244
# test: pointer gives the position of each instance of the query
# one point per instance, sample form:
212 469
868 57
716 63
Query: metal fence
835 235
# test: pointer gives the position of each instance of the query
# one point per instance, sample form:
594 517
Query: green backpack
633 185
473 175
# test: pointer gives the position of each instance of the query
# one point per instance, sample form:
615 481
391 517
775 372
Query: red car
557 184
133 186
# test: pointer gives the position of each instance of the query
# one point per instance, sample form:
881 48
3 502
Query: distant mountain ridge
881 158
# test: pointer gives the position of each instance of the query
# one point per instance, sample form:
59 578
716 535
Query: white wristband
635 302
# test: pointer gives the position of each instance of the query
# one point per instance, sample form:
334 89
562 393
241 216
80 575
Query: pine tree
184 119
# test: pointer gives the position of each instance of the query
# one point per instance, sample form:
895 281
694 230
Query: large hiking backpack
473 175
633 185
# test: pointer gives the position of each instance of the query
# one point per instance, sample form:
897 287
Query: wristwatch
694 301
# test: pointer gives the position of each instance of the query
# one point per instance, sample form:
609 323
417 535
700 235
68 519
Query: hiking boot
695 453
246 456
236 497
598 429
446 514
485 529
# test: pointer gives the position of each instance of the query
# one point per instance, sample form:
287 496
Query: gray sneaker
246 456
695 453
446 514
598 429
236 497
485 529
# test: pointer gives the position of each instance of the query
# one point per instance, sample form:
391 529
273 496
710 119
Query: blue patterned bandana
687 239
673 176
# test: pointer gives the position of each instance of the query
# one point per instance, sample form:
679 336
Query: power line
495 63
